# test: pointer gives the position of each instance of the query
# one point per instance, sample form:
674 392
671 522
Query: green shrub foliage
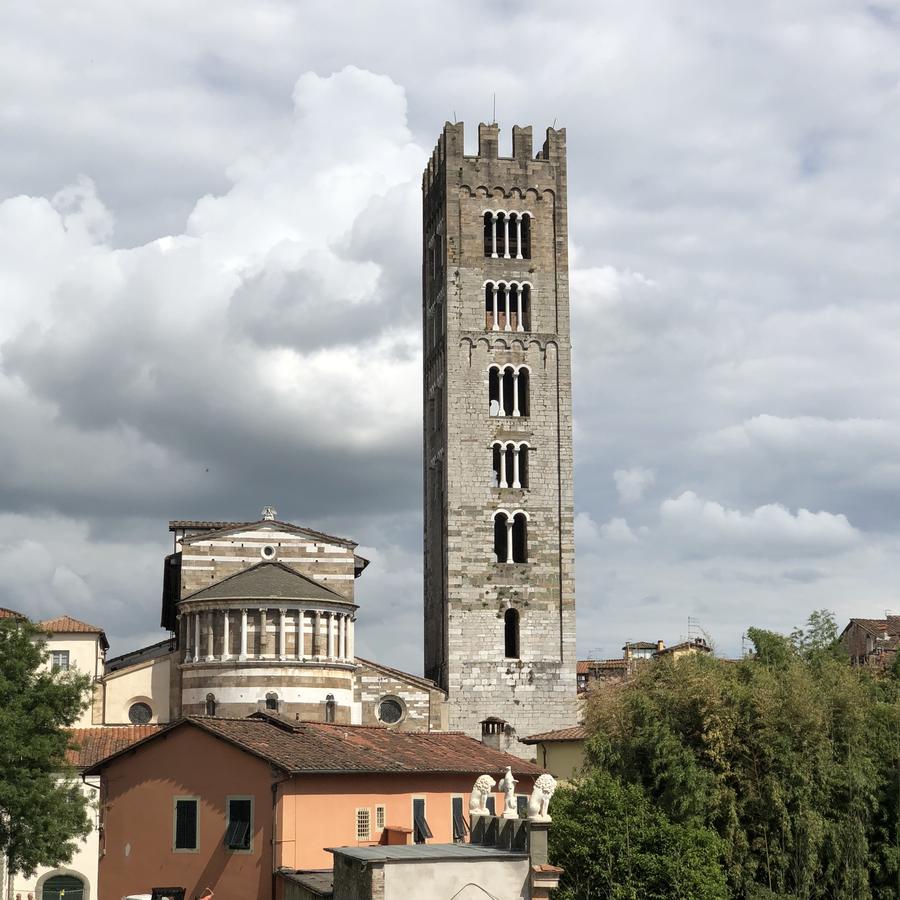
790 757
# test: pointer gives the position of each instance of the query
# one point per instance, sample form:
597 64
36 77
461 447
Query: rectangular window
460 828
363 825
379 818
186 824
59 660
421 831
239 830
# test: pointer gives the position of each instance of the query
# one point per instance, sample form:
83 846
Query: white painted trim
286 694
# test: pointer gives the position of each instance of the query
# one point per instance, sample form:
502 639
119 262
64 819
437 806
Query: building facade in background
499 581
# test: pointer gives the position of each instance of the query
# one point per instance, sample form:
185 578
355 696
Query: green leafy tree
792 757
42 815
615 844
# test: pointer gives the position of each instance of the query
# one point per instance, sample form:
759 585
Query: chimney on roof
660 646
495 733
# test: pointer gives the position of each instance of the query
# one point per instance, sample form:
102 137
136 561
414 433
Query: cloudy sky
209 295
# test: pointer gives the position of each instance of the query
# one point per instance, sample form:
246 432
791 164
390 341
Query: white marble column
519 239
494 235
516 483
282 623
196 637
243 634
502 473
509 539
226 634
342 633
516 392
506 325
300 617
211 635
350 647
506 236
329 624
317 635
519 291
263 631
500 374
496 325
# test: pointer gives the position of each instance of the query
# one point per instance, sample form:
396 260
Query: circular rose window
390 710
267 552
139 714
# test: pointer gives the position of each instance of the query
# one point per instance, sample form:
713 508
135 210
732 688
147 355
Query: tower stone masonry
499 553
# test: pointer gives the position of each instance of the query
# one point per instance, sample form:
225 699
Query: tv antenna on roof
494 116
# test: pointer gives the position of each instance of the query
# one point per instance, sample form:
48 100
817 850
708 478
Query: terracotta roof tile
586 666
575 733
10 613
313 747
90 745
68 625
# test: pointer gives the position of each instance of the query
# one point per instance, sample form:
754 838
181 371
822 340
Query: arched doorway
63 887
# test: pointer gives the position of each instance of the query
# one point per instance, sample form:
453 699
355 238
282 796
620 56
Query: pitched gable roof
206 530
301 748
575 733
267 581
68 625
400 675
91 745
10 613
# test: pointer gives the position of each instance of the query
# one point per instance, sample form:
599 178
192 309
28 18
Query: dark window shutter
186 825
460 828
421 831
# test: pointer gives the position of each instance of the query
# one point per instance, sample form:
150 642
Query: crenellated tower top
451 146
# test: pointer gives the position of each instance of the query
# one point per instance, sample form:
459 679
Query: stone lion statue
478 800
544 788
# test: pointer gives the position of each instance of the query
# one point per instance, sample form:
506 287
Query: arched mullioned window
507 306
511 633
511 536
272 701
330 708
510 464
210 704
508 390
507 234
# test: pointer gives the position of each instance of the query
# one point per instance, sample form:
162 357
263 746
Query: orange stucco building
225 803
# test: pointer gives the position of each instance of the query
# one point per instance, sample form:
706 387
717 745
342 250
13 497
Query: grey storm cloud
209 295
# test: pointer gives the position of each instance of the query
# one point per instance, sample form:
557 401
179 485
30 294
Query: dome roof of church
267 581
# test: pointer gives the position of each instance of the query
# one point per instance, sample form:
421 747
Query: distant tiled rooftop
68 625
90 745
314 747
586 666
574 733
10 613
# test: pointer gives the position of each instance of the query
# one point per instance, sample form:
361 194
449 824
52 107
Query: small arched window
509 391
210 704
330 708
490 235
510 465
511 537
511 633
272 701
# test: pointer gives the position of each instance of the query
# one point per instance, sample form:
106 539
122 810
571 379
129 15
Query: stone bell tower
499 585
